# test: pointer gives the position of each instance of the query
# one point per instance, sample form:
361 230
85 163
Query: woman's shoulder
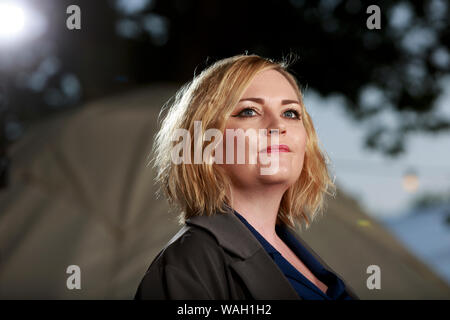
190 245
188 267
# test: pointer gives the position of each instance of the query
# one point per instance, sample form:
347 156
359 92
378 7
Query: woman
239 203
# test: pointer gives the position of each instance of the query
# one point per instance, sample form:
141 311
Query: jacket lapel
349 290
256 268
263 278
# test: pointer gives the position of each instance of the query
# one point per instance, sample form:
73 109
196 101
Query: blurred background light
20 22
130 7
12 20
410 182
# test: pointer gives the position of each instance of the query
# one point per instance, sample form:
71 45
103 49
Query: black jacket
218 258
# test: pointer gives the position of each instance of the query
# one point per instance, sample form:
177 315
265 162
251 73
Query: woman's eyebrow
261 101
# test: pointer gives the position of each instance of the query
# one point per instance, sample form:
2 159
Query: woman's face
270 102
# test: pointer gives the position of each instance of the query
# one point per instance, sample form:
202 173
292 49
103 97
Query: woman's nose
274 123
276 127
280 131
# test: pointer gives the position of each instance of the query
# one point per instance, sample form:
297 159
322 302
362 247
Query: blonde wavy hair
203 189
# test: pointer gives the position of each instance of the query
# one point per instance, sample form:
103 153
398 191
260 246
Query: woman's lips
277 148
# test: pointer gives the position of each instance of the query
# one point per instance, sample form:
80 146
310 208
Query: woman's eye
292 114
250 112
247 112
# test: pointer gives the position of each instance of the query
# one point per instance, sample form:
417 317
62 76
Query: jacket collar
233 235
230 233
256 264
258 271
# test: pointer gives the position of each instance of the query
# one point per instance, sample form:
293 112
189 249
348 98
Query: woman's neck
259 208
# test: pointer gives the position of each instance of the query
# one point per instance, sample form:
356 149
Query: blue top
305 288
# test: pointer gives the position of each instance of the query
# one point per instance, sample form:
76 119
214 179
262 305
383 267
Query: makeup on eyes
247 108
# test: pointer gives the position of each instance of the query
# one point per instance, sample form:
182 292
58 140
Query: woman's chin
280 175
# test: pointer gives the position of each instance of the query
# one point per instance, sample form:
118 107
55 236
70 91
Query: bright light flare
410 182
12 20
